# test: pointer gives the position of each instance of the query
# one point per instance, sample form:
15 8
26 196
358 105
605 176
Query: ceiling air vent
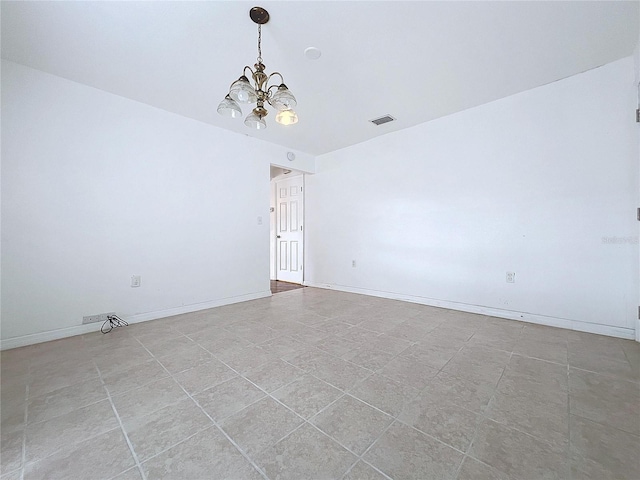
382 120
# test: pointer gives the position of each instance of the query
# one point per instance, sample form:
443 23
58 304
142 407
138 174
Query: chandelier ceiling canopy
242 91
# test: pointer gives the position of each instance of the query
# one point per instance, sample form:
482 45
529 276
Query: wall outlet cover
101 317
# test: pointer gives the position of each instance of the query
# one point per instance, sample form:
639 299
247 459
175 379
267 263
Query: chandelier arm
244 71
275 73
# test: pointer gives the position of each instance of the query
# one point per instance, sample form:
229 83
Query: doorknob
277 236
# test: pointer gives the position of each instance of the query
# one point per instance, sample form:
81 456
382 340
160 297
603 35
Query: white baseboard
493 312
637 330
57 334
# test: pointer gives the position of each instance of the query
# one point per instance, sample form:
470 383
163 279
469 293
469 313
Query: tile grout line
124 432
569 411
24 432
485 417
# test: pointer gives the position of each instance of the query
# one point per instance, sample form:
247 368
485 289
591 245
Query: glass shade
229 108
254 120
242 92
287 117
283 99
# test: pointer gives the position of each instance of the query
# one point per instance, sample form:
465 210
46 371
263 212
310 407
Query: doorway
287 226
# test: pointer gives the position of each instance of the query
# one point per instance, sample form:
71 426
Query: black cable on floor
114 321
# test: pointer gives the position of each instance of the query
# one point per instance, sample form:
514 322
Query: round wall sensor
312 53
291 156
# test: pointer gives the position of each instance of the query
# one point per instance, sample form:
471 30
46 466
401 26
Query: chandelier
243 92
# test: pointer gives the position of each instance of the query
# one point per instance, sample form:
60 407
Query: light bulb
242 91
287 117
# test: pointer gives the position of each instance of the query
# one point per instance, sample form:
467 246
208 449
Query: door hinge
638 115
300 227
638 313
639 214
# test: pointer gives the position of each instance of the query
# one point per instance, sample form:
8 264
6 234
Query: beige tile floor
321 384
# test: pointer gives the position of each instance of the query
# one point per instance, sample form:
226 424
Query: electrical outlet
353 263
135 281
102 317
511 277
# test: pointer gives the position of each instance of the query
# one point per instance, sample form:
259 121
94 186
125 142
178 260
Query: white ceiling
414 60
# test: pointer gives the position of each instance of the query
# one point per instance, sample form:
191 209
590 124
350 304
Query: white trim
31 339
637 330
493 312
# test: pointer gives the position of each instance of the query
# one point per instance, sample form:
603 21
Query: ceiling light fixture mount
242 91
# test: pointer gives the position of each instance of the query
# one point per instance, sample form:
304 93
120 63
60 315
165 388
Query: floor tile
11 450
148 398
390 344
332 326
107 453
434 356
601 452
134 377
472 469
207 454
501 337
337 346
547 420
411 333
472 394
306 453
120 359
45 380
605 400
478 363
15 475
228 397
359 335
436 416
517 454
604 363
260 425
12 411
131 474
340 373
252 332
307 395
363 471
153 433
163 346
403 452
65 400
407 371
44 438
544 349
542 375
368 357
204 375
383 393
352 423
188 357
283 346
218 343
244 359
274 374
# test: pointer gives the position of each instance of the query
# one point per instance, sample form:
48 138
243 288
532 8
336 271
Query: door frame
273 222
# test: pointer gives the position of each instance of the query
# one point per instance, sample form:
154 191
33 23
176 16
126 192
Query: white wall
96 188
531 184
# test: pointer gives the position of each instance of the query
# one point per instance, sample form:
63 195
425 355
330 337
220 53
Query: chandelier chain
259 44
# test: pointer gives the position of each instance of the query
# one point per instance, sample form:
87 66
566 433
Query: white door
289 234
